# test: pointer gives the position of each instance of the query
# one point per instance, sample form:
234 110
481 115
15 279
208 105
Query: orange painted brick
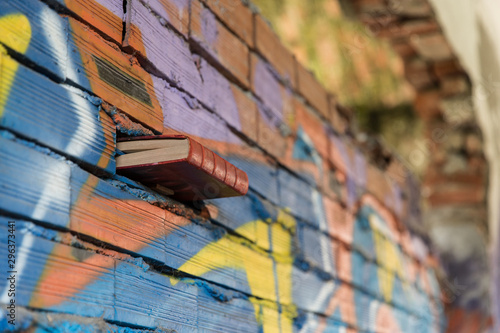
270 138
340 221
377 183
116 77
344 262
218 43
236 16
270 47
397 171
176 13
312 125
105 16
247 111
312 90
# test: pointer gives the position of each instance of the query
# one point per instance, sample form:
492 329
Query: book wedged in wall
180 167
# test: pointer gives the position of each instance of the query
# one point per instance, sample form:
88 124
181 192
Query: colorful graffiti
311 248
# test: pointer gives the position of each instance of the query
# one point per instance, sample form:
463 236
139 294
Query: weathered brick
406 29
339 122
418 73
106 15
432 47
340 221
370 7
270 139
247 108
312 126
454 85
175 12
270 47
453 194
427 104
161 46
411 8
312 90
276 102
218 43
377 183
236 16
447 67
115 77
397 171
404 49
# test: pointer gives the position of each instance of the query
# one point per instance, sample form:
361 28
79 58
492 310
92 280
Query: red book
179 166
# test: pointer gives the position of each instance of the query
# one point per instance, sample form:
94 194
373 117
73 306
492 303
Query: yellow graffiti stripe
15 32
264 273
387 253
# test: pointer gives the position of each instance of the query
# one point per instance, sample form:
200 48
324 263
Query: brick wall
455 184
329 237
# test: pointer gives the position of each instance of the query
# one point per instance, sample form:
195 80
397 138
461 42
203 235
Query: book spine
241 183
217 167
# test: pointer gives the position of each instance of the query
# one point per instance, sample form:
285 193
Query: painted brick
275 96
104 15
175 12
338 120
25 170
80 131
340 221
312 125
296 195
236 15
269 137
37 47
153 41
312 90
248 113
183 114
262 172
303 245
377 183
115 77
213 39
275 105
269 45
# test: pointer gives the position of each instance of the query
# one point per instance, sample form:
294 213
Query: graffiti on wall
94 244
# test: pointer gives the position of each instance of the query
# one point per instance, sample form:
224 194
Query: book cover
181 167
